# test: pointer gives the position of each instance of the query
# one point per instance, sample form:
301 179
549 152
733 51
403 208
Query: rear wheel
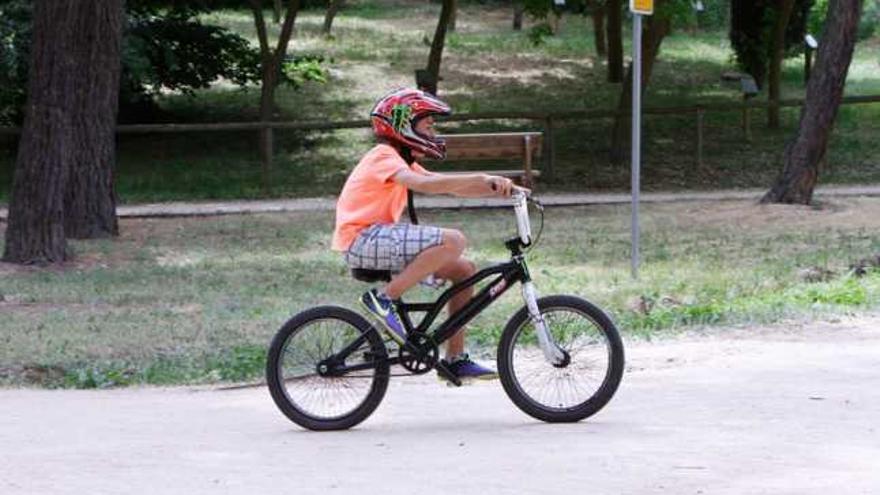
579 386
306 365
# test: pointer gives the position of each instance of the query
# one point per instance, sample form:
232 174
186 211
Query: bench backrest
492 145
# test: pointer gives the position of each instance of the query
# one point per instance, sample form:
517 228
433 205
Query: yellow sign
645 7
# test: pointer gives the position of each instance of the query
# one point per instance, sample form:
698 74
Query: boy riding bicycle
373 198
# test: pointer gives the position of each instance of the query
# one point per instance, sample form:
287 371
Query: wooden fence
547 122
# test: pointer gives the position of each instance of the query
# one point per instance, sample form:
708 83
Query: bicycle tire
355 325
514 384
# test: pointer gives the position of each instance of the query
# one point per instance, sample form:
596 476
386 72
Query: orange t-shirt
370 195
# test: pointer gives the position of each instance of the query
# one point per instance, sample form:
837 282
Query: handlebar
520 197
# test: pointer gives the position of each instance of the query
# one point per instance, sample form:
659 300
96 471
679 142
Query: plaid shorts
391 246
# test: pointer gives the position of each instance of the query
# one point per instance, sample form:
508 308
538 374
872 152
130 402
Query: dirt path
782 410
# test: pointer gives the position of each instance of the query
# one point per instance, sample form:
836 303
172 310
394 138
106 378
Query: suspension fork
552 353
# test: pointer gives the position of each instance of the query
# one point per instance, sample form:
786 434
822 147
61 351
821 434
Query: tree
430 77
270 71
655 28
803 153
518 10
783 14
597 13
72 71
332 9
763 33
614 27
90 201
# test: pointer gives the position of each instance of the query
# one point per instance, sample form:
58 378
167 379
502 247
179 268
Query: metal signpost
638 9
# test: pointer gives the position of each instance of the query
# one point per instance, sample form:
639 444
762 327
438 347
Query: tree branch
286 30
260 22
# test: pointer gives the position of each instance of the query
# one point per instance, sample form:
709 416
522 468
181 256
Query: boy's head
405 118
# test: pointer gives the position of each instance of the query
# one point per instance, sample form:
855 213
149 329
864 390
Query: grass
486 66
197 300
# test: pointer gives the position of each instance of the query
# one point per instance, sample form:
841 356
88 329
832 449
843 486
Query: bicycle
560 358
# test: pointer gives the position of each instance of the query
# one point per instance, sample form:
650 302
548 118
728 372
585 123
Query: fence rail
547 120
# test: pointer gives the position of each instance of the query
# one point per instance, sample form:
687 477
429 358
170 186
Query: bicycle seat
370 276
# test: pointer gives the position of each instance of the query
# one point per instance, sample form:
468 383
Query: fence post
266 152
700 116
549 146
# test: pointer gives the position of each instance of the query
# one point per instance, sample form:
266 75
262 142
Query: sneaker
384 310
465 369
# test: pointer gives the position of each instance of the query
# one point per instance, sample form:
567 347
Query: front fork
552 353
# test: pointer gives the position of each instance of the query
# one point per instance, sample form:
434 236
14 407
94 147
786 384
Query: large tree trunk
90 202
825 90
615 41
436 55
35 233
656 31
332 10
783 14
598 15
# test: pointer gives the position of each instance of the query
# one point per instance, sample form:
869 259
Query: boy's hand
501 186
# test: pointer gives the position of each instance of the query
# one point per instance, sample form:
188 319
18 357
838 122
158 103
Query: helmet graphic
396 114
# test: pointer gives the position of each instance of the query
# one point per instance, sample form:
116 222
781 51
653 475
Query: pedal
447 375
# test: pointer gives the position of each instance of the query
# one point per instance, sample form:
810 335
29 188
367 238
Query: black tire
520 359
302 343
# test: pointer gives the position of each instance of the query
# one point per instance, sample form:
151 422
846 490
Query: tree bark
277 7
656 31
90 202
332 10
453 17
436 55
614 27
800 172
598 16
518 9
783 14
35 231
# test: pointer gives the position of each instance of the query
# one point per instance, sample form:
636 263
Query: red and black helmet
396 114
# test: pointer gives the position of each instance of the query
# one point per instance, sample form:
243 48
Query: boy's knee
469 267
454 240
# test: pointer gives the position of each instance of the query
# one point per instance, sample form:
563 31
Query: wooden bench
521 146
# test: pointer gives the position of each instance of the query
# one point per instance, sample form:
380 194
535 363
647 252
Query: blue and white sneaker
384 310
466 370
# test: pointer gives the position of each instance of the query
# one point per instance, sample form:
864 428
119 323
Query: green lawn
197 300
487 66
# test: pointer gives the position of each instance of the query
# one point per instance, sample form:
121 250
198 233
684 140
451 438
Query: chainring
419 354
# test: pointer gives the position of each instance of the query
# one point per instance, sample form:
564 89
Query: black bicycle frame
508 273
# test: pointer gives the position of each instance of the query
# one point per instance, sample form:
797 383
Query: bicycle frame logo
497 288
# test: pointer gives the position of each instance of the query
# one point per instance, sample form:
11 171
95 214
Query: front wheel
327 369
583 383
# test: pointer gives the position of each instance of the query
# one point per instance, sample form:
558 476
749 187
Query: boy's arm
465 185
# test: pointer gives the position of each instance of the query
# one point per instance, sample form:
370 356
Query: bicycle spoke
324 396
573 385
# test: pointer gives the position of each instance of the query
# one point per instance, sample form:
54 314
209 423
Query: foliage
868 25
15 35
166 47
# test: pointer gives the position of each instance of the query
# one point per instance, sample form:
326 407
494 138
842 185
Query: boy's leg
457 271
427 262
